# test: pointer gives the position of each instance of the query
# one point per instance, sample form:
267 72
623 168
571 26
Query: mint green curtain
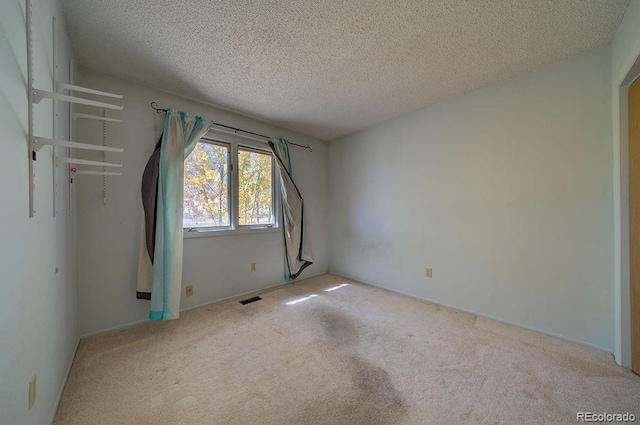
181 134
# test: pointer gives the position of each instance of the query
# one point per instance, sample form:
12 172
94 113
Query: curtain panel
160 262
297 247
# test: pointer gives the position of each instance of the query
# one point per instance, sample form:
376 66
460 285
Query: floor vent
250 300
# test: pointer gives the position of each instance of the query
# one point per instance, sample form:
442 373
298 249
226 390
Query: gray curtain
297 246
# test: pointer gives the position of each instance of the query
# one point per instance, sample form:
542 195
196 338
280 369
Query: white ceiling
328 68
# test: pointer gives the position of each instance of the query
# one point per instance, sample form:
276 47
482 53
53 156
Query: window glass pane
255 201
206 187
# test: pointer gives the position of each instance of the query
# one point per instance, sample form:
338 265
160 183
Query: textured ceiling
328 68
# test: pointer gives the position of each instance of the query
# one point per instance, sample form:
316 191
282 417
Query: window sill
205 233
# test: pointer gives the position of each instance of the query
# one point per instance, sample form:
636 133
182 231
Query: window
206 187
255 200
229 186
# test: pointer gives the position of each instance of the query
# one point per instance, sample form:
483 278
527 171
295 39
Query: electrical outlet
32 390
253 267
428 272
189 290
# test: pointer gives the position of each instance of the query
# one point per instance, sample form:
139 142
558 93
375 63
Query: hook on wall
154 105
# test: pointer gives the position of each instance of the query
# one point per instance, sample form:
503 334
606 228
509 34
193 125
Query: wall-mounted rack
77 115
94 173
38 95
76 161
39 142
35 96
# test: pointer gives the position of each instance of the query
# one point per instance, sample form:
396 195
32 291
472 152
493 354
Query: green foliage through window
254 188
206 187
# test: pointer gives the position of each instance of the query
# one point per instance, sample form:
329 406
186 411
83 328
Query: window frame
234 143
226 146
247 148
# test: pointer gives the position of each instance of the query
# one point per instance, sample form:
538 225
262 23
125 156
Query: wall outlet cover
428 272
189 290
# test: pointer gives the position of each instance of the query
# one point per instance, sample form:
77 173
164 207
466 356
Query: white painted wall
38 307
625 66
506 192
219 266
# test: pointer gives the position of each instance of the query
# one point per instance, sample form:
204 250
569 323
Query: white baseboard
487 316
64 383
112 329
257 291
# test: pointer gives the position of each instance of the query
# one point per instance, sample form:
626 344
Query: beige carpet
353 355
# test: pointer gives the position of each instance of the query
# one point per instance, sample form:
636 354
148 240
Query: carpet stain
375 385
372 398
340 328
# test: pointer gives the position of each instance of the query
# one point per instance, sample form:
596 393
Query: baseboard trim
64 383
112 329
257 291
486 316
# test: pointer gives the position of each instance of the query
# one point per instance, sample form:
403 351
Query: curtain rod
154 105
